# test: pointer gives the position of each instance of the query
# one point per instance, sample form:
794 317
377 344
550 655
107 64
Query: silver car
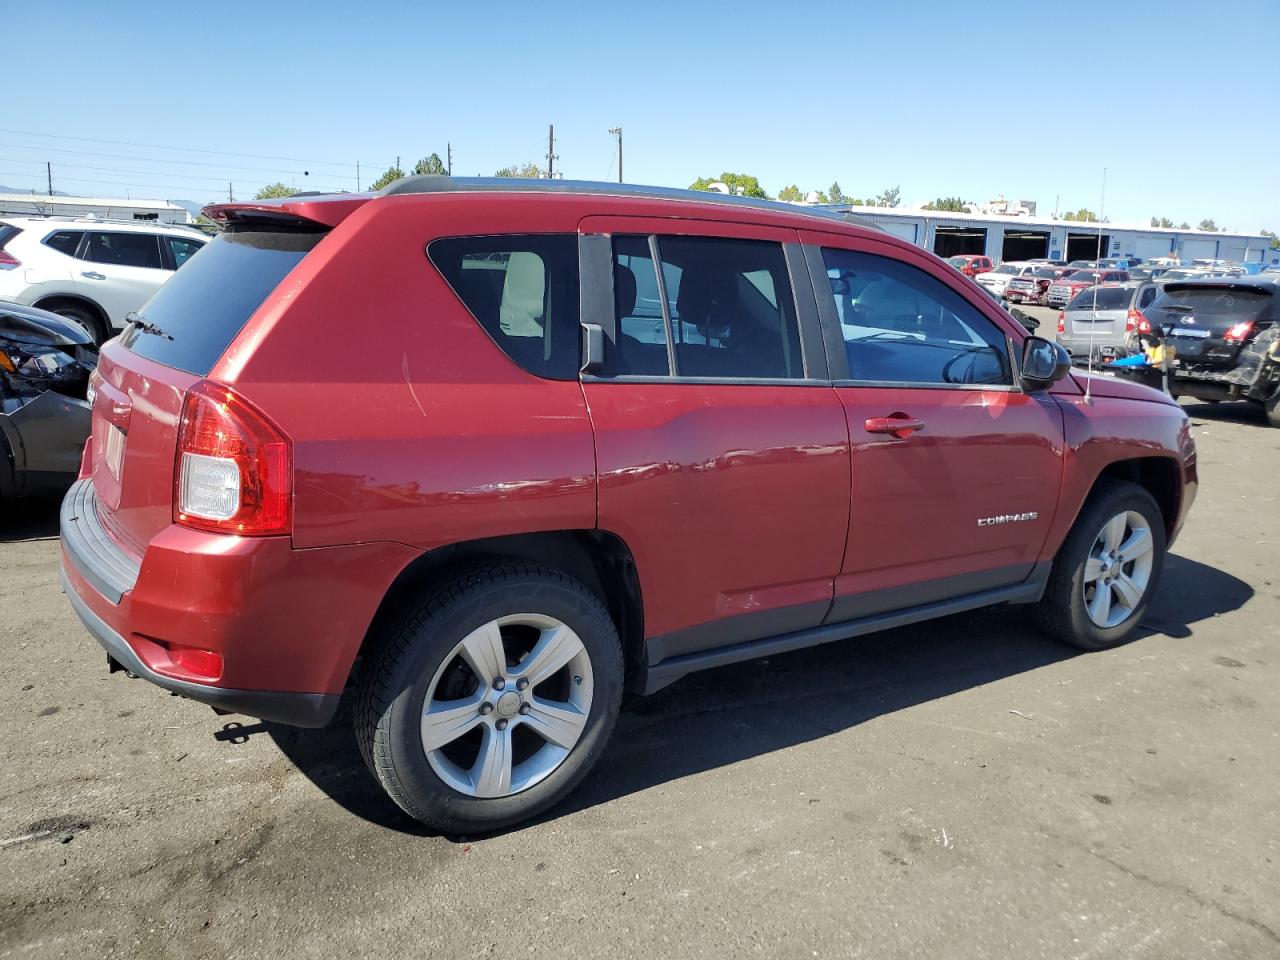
1095 321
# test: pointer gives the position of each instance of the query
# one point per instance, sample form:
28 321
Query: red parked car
971 264
1063 290
480 454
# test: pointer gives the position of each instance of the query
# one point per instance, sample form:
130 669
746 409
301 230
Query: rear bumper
287 623
297 709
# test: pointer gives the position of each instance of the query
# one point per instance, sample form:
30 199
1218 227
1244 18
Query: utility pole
448 163
551 151
48 168
357 176
617 132
231 197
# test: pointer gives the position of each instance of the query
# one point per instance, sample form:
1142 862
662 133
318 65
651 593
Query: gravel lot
959 789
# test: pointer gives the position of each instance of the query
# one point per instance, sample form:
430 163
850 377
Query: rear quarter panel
409 424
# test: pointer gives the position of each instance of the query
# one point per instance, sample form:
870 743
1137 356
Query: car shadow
1228 411
33 518
753 708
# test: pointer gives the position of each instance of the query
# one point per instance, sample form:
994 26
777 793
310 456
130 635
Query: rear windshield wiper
146 326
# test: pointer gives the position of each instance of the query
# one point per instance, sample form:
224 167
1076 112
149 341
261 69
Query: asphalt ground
962 789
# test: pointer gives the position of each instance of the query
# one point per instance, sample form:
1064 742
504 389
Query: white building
36 204
1028 237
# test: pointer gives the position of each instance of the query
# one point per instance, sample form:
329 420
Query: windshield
202 307
958 261
1085 276
1047 273
1102 298
1008 268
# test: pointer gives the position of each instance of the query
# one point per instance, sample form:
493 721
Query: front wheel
1107 570
492 698
1272 408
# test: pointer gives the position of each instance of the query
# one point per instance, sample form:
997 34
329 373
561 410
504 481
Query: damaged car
1220 340
45 363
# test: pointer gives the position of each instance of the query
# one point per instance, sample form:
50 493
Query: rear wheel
1272 407
490 700
1107 570
84 318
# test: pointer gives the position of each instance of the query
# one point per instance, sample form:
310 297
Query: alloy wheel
1118 569
507 706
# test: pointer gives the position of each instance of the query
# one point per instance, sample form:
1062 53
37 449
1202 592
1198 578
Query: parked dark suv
588 437
1224 336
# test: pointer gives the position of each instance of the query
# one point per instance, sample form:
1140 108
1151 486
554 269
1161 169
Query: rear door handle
93 275
897 425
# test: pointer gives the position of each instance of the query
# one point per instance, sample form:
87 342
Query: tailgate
145 373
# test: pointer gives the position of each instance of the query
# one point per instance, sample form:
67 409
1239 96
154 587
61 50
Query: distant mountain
56 193
191 206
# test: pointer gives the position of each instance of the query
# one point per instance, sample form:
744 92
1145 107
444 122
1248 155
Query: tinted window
181 250
65 241
523 289
1147 296
124 249
206 304
1215 308
901 325
732 310
641 349
1102 298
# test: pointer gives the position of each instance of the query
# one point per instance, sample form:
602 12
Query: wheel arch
599 559
1159 476
54 300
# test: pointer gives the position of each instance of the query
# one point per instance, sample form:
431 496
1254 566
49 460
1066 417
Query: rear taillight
1239 332
8 261
235 467
1136 320
1062 321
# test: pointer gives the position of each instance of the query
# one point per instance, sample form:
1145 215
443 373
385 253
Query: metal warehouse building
38 205
1025 238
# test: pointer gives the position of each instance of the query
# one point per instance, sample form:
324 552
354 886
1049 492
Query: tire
1272 408
441 644
1065 611
84 319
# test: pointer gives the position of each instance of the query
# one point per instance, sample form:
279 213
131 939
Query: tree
950 204
822 197
273 191
528 170
429 165
836 194
1083 215
1184 225
890 198
391 176
1208 226
790 194
1275 240
1161 222
740 184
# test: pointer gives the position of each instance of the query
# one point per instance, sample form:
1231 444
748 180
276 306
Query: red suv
971 264
481 454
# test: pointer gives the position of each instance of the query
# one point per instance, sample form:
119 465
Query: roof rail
90 218
440 183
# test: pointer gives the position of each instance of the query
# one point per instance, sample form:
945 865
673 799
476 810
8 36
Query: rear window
7 232
206 303
1211 306
1102 298
64 241
523 290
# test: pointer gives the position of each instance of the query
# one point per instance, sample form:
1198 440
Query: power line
161 146
131 184
186 163
85 166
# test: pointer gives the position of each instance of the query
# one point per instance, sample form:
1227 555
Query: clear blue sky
1177 99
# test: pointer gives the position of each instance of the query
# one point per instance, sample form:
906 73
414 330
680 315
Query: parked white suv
89 270
996 280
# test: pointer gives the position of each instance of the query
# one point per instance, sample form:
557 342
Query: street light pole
617 132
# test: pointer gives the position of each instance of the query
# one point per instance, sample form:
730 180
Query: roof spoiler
302 211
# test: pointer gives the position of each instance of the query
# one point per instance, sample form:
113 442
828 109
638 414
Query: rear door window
203 306
523 290
124 250
181 250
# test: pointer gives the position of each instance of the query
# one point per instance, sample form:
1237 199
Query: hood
992 275
19 324
1100 385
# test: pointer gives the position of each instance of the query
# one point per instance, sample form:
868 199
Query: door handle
93 275
897 425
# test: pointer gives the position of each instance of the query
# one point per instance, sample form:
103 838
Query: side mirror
1044 363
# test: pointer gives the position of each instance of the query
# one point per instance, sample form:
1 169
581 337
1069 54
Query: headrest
708 297
624 290
523 292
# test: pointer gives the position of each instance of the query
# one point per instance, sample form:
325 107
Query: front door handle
93 275
897 425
